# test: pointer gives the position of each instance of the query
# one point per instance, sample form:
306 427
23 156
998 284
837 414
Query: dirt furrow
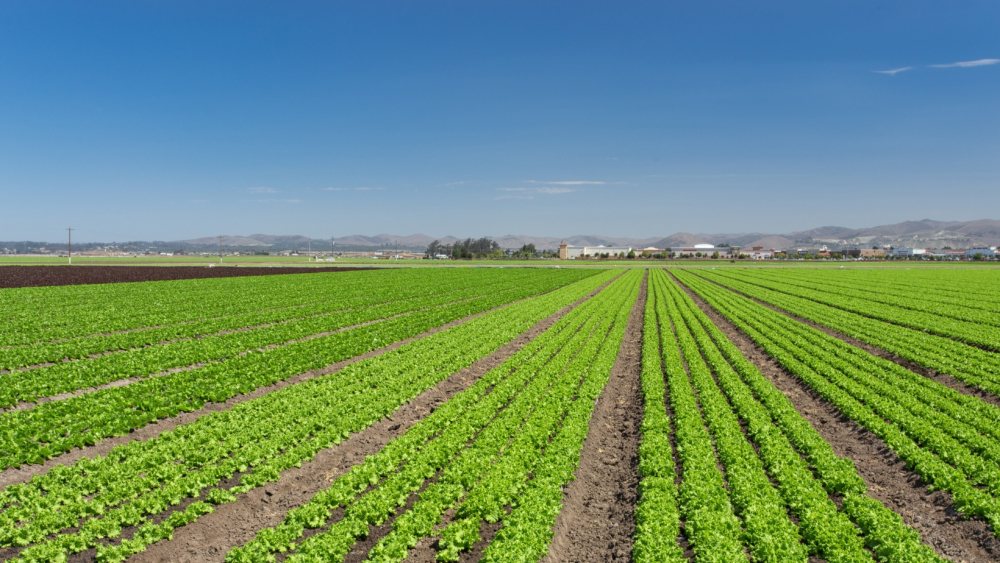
597 521
231 525
932 514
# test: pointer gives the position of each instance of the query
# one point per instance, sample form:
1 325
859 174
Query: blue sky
166 120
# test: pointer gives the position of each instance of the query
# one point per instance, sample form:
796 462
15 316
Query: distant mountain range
922 233
926 233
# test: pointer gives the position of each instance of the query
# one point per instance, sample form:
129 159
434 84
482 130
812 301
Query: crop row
223 312
981 334
48 429
972 365
29 385
806 473
473 455
82 311
152 487
948 438
921 297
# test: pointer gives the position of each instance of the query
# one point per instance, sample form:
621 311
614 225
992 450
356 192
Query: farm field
690 412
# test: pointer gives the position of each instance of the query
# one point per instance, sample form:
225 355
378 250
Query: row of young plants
804 469
951 283
81 311
29 385
981 334
221 313
472 456
947 438
657 516
963 307
48 429
142 491
969 364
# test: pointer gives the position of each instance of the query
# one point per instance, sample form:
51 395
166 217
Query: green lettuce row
288 302
969 332
508 479
954 438
782 435
526 531
923 397
657 517
52 428
79 312
965 307
710 522
488 429
968 497
769 533
22 386
259 438
462 416
531 416
972 365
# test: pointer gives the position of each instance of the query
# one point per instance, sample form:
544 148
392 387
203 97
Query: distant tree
435 248
630 255
715 255
527 251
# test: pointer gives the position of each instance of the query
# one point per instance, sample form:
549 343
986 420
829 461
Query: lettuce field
505 414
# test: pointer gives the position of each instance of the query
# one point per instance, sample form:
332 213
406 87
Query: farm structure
563 414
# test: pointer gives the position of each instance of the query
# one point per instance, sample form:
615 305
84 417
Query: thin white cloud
355 189
568 182
893 71
262 190
543 190
968 64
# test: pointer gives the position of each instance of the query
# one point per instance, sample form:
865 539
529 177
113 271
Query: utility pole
220 249
69 244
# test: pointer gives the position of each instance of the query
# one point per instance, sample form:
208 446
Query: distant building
906 252
567 252
759 253
872 253
983 251
704 250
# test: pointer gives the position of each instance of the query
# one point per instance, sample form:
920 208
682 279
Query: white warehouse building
567 252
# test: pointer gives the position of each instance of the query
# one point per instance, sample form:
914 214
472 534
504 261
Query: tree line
483 247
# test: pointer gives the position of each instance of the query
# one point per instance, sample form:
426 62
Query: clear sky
170 119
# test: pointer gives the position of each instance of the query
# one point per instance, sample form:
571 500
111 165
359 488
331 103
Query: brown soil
932 514
36 276
231 525
24 473
942 378
597 521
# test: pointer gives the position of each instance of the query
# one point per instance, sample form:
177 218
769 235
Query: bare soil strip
597 521
930 513
942 378
21 474
37 276
231 525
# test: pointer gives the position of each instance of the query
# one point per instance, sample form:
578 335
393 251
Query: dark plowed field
34 276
